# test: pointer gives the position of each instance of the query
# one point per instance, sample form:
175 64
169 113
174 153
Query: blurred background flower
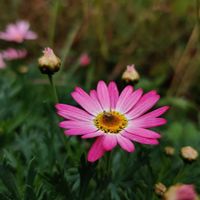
14 54
181 192
18 32
84 59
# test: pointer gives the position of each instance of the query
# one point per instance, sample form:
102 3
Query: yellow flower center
110 122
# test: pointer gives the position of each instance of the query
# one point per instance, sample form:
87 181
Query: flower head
112 117
49 63
84 59
14 54
169 150
18 32
130 74
189 154
181 192
2 63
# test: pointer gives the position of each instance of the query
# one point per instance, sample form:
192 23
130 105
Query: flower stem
108 164
53 87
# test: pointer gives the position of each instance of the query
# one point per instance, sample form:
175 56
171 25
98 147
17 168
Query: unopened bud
84 59
189 154
169 151
160 189
49 63
130 74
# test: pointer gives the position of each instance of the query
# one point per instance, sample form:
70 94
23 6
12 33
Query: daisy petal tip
61 124
109 147
101 84
164 121
155 142
58 106
66 133
166 108
131 150
140 90
91 159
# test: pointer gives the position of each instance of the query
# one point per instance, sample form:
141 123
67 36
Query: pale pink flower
14 54
84 59
181 192
18 32
2 63
112 117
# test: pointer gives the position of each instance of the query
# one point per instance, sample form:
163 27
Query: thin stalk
52 26
68 43
53 87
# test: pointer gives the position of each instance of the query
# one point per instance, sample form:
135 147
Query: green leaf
31 173
9 181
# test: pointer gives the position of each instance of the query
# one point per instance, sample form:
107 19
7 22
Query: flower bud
130 74
181 192
84 59
49 63
189 154
169 151
160 189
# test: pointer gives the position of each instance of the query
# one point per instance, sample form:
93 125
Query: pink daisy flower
112 117
18 32
14 54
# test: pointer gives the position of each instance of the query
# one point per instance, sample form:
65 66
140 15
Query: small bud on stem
49 63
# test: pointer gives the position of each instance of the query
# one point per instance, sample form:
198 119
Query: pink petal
131 101
114 94
93 134
93 94
142 106
142 132
127 91
139 139
80 131
149 122
157 112
3 36
103 95
96 151
149 94
89 104
72 112
76 124
109 142
22 26
30 35
125 143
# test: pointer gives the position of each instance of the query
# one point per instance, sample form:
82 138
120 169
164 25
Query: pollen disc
111 122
